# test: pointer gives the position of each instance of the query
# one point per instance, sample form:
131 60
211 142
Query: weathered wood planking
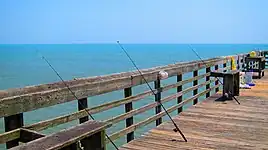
147 107
15 101
215 125
11 135
65 137
42 125
96 79
47 90
67 118
155 117
29 135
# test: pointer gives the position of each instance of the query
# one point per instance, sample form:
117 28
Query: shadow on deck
215 125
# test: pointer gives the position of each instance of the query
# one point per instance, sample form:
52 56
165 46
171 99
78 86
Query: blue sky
133 21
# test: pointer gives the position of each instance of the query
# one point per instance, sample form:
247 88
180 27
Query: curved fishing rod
132 61
84 107
215 77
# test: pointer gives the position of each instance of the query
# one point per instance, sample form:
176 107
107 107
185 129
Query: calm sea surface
22 65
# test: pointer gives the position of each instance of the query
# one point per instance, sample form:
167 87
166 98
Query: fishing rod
215 77
83 106
132 61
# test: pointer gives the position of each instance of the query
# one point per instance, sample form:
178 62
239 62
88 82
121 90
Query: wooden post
129 107
208 85
224 66
71 147
216 82
96 141
228 84
243 62
195 82
82 104
179 89
13 122
238 62
157 99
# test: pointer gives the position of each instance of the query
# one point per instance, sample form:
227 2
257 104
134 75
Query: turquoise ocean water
22 65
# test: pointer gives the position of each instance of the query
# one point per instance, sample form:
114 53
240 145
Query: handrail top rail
18 100
93 79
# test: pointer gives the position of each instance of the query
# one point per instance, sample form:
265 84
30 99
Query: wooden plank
15 101
70 117
9 136
65 137
128 108
202 140
227 119
120 133
13 122
29 135
158 108
179 89
227 113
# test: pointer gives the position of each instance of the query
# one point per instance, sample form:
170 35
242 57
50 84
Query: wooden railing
14 102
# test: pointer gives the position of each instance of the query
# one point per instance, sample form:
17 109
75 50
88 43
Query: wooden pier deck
215 125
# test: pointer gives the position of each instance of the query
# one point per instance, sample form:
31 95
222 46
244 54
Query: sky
133 21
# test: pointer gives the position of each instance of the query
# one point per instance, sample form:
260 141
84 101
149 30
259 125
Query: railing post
224 66
207 79
195 82
82 104
242 62
13 122
216 82
96 141
129 107
179 89
238 62
157 99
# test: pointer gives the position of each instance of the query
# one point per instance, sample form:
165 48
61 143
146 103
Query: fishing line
215 77
132 61
84 108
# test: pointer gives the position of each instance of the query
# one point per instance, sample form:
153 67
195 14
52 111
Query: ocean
22 65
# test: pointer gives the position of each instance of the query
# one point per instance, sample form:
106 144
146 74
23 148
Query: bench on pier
256 64
91 134
230 82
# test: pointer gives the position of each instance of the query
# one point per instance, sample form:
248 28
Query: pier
208 124
214 124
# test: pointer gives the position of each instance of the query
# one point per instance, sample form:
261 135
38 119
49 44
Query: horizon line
116 43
